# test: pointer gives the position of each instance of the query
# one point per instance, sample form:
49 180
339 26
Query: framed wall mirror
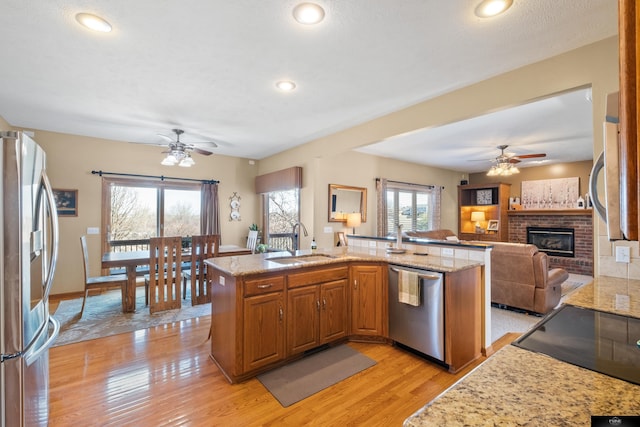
344 200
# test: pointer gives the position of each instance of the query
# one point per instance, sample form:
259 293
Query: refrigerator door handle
31 356
54 236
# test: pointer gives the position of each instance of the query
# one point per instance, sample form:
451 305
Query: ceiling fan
512 158
505 164
179 153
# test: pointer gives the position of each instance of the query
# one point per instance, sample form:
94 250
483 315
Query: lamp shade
354 219
477 216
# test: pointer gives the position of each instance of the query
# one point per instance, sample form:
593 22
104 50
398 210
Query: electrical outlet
328 229
623 254
448 252
93 230
221 280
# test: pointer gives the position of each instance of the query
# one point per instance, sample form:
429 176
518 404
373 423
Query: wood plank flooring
163 376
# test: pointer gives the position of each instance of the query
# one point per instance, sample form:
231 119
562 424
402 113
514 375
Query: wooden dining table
131 260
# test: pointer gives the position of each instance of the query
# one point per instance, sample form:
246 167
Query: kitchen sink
300 259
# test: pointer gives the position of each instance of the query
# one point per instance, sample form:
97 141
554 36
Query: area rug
504 320
305 377
103 316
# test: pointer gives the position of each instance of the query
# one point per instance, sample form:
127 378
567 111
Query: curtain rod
160 177
413 183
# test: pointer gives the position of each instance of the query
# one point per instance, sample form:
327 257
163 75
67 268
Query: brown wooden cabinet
317 308
368 300
490 199
317 315
263 330
463 317
629 161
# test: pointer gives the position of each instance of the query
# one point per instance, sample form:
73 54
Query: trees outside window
282 212
139 210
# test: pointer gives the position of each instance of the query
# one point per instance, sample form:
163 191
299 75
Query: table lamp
354 220
477 217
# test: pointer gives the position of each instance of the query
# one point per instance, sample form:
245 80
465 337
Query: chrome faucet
295 235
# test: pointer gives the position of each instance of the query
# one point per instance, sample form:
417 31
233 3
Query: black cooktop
602 342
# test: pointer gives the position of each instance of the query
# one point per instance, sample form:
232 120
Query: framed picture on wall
492 225
66 202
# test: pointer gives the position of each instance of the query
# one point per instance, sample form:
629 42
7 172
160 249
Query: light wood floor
163 377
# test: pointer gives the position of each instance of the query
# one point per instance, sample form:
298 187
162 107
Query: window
416 207
138 210
282 212
280 206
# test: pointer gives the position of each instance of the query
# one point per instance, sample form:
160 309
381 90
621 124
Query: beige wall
325 160
561 170
361 170
70 160
595 65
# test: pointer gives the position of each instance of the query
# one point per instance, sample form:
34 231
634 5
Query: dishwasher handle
422 276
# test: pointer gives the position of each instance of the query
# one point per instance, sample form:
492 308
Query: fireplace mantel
538 212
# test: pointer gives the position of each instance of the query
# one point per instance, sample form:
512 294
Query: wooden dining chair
165 272
202 247
99 282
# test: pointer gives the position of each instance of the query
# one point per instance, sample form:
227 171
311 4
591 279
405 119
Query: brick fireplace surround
581 220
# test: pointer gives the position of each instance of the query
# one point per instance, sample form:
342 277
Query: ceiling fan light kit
179 153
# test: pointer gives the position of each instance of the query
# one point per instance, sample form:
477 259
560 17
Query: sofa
440 234
521 278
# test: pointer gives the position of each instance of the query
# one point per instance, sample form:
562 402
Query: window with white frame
415 207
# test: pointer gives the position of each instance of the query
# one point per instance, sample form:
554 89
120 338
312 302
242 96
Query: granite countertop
520 387
263 263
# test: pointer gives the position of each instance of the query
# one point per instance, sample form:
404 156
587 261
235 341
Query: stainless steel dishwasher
418 327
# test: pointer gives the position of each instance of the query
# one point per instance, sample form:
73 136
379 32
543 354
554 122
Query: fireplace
553 241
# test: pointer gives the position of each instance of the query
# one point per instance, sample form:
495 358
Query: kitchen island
270 309
519 387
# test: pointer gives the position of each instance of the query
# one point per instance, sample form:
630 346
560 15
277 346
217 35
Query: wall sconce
354 220
477 217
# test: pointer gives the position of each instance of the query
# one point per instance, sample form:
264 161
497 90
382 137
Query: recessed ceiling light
489 8
286 85
308 13
93 22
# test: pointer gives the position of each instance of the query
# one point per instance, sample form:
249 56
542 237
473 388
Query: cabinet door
367 300
333 312
303 310
263 330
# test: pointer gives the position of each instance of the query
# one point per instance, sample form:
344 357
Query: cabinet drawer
263 285
317 276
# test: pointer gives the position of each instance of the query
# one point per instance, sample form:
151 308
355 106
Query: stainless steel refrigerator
29 231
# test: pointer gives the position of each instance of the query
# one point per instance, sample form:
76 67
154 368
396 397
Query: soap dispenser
314 246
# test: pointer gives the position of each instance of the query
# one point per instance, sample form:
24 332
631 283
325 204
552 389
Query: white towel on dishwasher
408 288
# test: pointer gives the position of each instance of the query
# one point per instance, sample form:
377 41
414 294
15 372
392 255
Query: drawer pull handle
281 313
318 304
324 303
268 285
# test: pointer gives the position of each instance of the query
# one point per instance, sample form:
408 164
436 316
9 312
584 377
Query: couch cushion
440 234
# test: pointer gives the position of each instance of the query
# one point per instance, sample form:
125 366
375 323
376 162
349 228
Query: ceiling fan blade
203 152
531 156
204 145
167 137
514 160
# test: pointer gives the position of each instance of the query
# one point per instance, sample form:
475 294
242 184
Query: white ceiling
560 127
209 67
